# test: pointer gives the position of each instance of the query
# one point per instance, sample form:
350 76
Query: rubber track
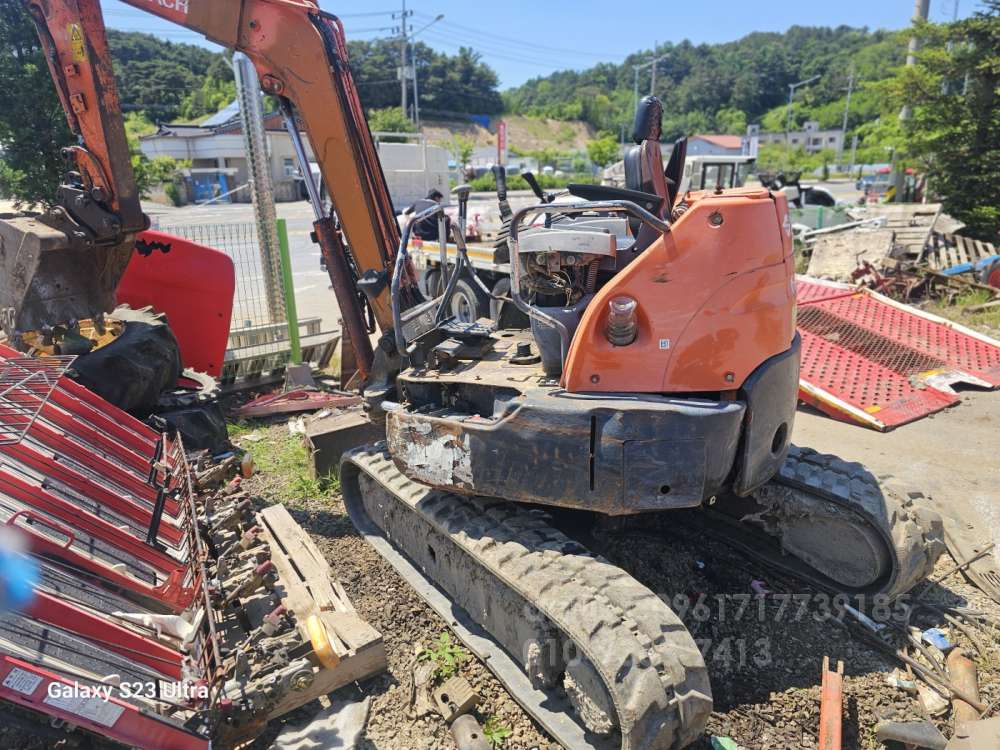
647 660
912 535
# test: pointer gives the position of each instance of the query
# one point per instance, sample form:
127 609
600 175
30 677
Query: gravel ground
764 654
391 606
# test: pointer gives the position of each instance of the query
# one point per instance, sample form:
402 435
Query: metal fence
252 302
258 331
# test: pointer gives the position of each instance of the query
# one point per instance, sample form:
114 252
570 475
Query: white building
218 161
811 138
715 145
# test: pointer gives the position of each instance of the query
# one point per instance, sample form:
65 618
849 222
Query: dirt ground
764 655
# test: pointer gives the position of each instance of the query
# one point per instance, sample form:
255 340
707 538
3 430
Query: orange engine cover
716 298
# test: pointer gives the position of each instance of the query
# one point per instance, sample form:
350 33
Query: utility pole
416 90
652 80
413 51
788 116
652 85
403 15
847 109
920 11
635 89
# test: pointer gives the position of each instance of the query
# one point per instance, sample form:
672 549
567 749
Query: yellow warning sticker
76 42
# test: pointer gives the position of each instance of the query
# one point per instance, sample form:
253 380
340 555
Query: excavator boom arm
300 55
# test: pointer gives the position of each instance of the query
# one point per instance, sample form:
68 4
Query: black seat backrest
675 169
644 162
633 168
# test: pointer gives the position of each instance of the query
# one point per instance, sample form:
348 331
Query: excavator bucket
51 271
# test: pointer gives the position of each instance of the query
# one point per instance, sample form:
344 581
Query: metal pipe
261 189
401 255
442 250
291 313
288 116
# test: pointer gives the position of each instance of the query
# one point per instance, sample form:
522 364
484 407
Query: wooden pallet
911 223
948 250
310 588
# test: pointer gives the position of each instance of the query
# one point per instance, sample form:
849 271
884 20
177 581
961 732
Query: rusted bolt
715 219
595 378
730 377
254 24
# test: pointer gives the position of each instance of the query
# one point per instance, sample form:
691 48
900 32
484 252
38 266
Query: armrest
648 201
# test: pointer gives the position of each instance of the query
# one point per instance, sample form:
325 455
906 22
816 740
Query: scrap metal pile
871 360
165 610
910 252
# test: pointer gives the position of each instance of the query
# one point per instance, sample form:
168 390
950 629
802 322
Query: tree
603 150
731 120
459 83
392 120
461 149
33 126
954 131
217 89
159 77
148 172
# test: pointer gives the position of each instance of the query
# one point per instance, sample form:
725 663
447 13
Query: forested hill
167 80
705 88
722 87
170 81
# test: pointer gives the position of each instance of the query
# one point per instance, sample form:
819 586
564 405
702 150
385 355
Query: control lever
462 192
500 173
501 252
542 196
532 181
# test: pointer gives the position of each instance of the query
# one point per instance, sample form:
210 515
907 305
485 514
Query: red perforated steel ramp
874 361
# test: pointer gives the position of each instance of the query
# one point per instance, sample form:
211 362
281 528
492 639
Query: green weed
495 732
284 456
446 656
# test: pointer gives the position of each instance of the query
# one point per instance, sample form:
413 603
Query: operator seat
644 162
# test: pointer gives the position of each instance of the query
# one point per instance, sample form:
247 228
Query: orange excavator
657 371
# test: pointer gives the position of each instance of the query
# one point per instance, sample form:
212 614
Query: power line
470 31
449 39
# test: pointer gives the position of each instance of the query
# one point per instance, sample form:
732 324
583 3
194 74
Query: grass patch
283 457
987 321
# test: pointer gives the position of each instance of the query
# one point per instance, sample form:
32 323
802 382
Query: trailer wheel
131 370
465 304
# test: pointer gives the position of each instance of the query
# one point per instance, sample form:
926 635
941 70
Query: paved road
313 296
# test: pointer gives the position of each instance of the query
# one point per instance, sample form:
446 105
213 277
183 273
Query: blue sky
522 39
